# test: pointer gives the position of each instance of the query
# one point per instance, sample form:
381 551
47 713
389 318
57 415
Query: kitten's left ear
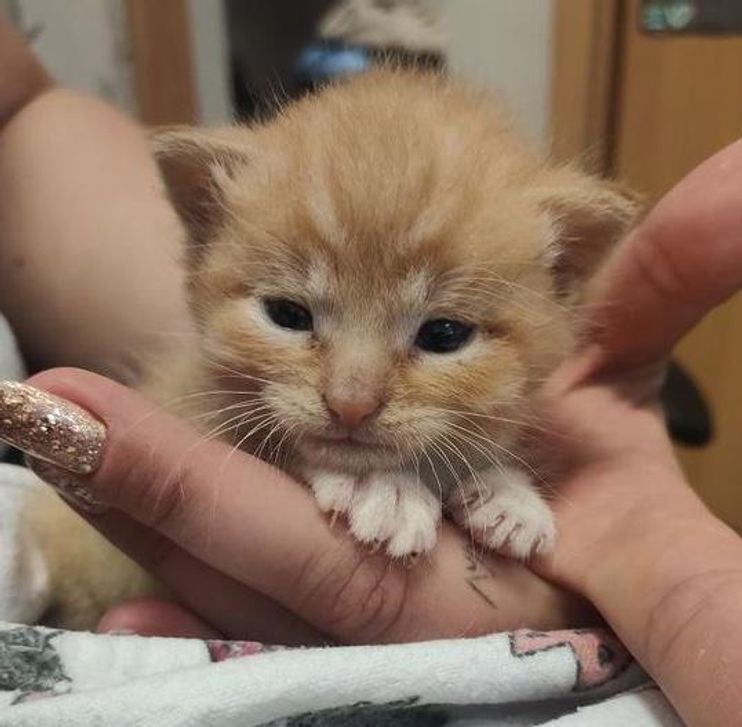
589 216
197 166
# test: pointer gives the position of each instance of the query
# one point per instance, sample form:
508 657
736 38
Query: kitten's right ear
197 167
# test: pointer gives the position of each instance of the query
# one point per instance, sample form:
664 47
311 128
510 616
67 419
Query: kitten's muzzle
351 412
347 442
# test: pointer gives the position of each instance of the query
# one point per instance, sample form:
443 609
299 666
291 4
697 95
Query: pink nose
352 412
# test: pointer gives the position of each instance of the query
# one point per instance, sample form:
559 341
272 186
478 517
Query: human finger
267 533
680 262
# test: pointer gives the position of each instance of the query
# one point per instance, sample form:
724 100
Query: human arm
88 247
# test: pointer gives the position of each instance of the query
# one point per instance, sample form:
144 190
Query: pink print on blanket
223 650
599 656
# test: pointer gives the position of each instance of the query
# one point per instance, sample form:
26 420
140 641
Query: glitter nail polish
49 428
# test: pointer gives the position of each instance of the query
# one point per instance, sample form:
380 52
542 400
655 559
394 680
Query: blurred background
643 90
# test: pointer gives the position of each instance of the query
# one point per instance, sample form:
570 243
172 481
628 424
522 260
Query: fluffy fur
392 200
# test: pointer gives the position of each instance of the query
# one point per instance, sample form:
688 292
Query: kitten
385 273
388 271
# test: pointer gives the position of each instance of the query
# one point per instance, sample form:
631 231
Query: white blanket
524 678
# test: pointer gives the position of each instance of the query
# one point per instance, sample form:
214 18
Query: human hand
634 538
246 548
679 263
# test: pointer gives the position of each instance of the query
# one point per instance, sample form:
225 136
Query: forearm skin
676 602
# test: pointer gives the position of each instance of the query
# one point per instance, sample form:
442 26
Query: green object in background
691 17
667 15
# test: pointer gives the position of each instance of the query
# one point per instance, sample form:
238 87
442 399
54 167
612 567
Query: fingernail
67 485
119 632
50 429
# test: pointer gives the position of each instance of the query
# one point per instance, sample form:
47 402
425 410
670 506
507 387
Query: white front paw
504 512
373 513
386 507
398 509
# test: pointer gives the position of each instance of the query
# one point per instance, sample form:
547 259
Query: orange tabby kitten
389 272
386 272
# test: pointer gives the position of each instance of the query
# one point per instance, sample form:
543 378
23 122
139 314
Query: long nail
49 428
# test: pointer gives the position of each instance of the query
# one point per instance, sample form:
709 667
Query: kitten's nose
352 411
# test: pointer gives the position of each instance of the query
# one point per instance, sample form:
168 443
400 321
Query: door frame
586 49
162 61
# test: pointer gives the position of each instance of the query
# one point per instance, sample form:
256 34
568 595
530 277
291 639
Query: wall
211 71
506 44
82 42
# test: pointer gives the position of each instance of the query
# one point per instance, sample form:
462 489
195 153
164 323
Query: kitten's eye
287 314
442 335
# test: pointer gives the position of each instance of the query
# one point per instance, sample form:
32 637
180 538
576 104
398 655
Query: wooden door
161 50
675 101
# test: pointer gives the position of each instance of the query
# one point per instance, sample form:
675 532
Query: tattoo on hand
478 575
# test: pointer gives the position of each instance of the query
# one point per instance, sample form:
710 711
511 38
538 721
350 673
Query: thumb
683 260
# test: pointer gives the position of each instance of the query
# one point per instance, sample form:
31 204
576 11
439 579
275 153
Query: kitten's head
386 268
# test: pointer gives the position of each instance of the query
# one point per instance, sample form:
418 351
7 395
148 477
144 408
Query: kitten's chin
347 454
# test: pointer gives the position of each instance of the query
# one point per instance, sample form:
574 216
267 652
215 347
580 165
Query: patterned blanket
523 678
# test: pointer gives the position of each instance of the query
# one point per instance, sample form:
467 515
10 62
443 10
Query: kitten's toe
398 509
333 491
519 523
413 540
416 524
373 509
